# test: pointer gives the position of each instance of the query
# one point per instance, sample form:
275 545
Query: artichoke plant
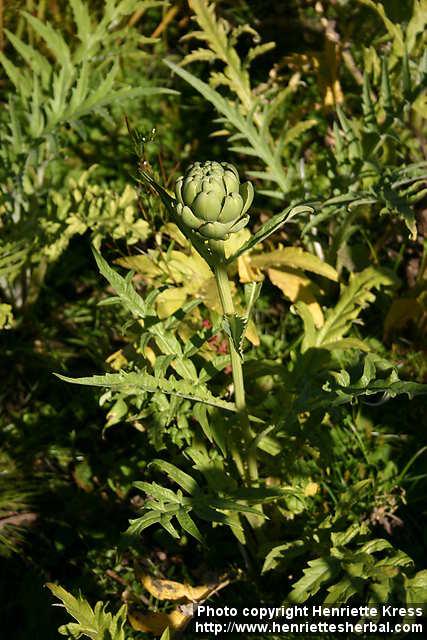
211 200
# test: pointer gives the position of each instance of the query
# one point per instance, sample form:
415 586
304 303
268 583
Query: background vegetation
319 102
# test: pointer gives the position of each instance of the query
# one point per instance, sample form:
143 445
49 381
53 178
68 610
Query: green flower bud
211 200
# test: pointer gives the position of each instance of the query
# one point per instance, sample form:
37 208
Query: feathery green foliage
97 624
45 195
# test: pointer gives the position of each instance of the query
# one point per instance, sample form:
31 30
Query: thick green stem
236 365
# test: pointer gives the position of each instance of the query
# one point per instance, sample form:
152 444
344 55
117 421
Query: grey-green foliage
56 91
221 502
355 297
350 563
159 394
247 112
79 81
367 151
378 377
165 389
374 164
254 140
365 161
96 624
333 366
177 388
145 382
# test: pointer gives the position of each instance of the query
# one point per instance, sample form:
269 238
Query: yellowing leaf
170 300
247 273
326 64
164 589
251 333
140 228
296 258
128 196
209 294
311 489
192 270
174 233
156 623
296 286
6 316
235 241
328 75
142 264
117 360
171 590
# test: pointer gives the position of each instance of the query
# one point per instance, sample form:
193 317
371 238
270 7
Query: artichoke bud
211 200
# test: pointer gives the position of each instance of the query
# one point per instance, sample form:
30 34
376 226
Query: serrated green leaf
222 105
235 327
343 590
97 624
257 143
319 572
158 492
252 293
283 554
188 524
395 30
354 298
82 20
375 545
310 331
183 479
166 635
122 286
38 63
201 415
52 37
147 382
165 522
371 382
15 75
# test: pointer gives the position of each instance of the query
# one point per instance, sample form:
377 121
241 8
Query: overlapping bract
211 200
